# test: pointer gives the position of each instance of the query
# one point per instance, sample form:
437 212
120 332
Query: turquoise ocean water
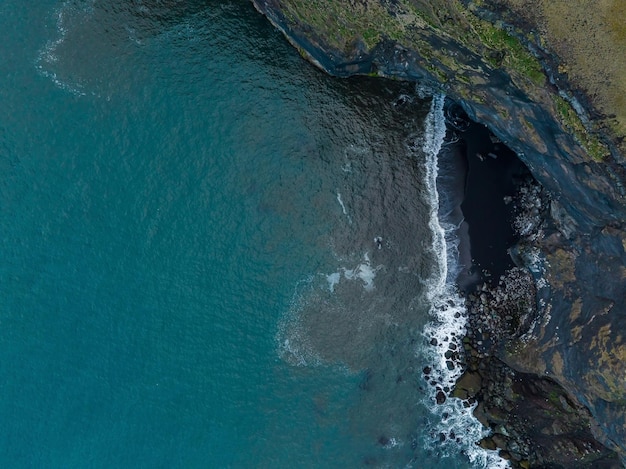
211 253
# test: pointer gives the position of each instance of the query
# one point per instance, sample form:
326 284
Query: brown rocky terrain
589 39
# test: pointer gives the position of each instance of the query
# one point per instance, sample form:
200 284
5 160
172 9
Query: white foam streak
343 207
434 134
48 57
454 417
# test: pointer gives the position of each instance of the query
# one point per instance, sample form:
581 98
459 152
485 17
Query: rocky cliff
549 79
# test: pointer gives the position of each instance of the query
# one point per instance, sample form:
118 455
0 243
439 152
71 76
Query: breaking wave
366 314
453 426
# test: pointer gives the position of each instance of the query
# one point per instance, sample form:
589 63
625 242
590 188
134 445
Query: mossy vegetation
597 150
436 71
515 54
562 268
354 26
589 41
506 50
607 370
343 23
616 19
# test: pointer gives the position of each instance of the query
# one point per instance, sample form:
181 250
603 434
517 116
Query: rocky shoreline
534 421
546 345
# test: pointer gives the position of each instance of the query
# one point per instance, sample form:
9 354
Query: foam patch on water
363 272
293 342
333 279
293 337
455 426
68 14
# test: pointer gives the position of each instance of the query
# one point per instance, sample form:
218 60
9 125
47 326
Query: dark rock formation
444 45
529 426
534 422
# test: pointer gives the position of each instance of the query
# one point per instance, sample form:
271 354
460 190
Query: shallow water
213 255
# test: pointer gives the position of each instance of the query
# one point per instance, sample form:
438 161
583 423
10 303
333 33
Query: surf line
454 424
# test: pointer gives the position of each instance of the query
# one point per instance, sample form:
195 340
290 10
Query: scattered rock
468 385
487 443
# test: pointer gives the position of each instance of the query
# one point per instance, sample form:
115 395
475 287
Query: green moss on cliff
597 150
505 50
588 39
342 23
477 48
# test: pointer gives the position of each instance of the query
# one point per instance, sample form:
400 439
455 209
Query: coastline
457 429
519 409
575 237
493 174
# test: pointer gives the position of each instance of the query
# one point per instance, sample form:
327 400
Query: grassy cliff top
590 39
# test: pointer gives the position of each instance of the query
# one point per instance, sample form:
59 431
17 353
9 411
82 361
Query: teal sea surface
211 253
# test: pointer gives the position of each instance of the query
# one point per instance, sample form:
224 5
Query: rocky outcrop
533 420
577 337
536 422
526 70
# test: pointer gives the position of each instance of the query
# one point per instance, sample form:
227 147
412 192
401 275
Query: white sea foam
333 279
293 337
293 341
67 14
363 271
343 206
454 418
354 152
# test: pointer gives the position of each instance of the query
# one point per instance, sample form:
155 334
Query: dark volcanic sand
491 172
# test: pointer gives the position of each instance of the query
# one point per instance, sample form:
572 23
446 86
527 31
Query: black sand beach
488 174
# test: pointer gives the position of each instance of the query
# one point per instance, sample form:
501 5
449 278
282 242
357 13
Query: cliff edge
548 78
